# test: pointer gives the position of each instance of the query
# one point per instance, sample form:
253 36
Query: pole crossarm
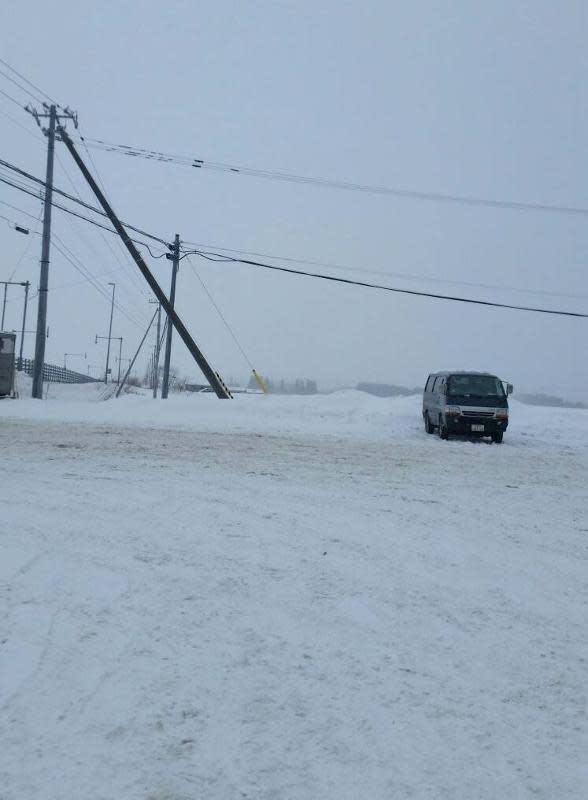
183 332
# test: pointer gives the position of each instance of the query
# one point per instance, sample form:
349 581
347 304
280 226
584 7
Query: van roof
460 372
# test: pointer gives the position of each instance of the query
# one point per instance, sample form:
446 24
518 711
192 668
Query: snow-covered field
289 598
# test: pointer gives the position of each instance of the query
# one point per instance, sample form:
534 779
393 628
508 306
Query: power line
11 98
265 255
402 275
133 279
410 194
27 246
85 272
21 87
12 223
20 125
118 241
15 208
292 177
72 255
39 196
22 229
26 80
219 312
77 200
218 257
72 284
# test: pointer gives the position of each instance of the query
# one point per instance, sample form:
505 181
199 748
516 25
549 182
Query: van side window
429 384
436 384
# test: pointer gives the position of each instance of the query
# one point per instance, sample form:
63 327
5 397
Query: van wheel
428 427
497 437
443 434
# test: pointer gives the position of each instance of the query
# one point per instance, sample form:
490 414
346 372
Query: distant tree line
548 400
273 386
386 389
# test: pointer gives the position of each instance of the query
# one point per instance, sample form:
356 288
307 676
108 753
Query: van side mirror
509 388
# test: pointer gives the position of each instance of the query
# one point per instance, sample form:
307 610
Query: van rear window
475 386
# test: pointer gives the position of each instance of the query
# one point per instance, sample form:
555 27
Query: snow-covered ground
289 598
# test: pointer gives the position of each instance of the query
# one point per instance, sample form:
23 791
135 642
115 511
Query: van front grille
478 414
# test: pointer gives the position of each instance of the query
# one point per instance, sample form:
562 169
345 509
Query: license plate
477 429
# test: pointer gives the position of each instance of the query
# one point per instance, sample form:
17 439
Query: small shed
7 349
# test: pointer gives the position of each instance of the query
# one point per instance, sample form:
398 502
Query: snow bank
344 414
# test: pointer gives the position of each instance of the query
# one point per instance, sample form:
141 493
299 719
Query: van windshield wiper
471 395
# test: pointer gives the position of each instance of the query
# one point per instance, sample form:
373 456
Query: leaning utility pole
134 358
46 241
175 258
216 383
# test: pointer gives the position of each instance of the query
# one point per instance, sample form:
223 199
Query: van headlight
501 413
452 411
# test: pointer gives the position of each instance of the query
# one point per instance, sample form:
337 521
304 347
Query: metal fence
54 374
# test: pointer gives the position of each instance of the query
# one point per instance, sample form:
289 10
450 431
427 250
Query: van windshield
474 386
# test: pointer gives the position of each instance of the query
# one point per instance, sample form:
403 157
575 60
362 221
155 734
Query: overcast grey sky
474 98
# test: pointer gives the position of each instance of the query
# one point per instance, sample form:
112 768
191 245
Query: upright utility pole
51 113
109 332
175 257
24 320
120 341
156 355
45 251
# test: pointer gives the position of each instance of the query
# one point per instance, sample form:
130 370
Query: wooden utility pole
175 258
54 117
45 251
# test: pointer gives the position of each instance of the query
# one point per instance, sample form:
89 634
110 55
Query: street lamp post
26 284
20 229
24 320
118 339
